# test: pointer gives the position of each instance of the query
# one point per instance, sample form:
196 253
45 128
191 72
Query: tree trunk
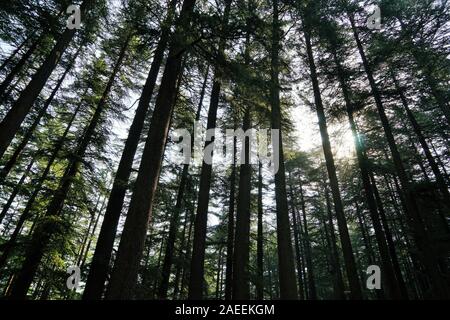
260 240
286 272
230 231
423 143
389 239
27 211
92 234
308 253
241 275
349 259
198 250
296 227
16 51
391 286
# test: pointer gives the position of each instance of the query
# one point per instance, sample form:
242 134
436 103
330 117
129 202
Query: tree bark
260 240
19 186
230 231
241 275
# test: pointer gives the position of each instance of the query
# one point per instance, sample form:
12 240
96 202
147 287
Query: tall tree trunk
428 254
88 232
42 235
296 227
286 272
339 282
219 269
241 273
349 259
168 256
260 240
15 116
126 266
230 228
181 257
308 253
196 280
102 254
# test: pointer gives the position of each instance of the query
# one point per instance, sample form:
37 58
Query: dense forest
96 204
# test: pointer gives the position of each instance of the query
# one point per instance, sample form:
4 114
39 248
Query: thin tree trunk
391 286
296 227
260 240
219 268
92 219
92 234
17 68
241 273
308 253
15 52
390 240
339 282
168 256
180 258
230 231
423 143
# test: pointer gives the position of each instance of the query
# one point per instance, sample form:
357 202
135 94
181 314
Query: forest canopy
97 201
